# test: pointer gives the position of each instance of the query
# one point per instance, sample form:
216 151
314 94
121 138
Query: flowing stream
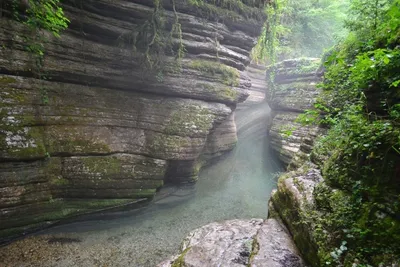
238 186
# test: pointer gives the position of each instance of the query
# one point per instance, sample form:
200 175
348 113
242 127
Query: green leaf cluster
47 15
39 16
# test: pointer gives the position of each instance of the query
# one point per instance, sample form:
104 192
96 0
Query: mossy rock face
75 140
115 176
59 188
230 10
18 142
190 121
295 69
292 201
294 93
78 156
19 137
325 222
223 73
224 92
120 171
5 80
174 147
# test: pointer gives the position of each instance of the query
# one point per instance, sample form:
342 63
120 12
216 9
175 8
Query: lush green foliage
267 43
360 155
298 29
301 28
308 27
47 15
39 16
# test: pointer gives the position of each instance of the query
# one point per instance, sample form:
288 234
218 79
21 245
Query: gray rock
295 92
291 202
238 243
275 247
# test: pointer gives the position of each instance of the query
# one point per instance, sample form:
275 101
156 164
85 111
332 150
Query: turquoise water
238 186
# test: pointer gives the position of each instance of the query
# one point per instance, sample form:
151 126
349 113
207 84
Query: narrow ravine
237 186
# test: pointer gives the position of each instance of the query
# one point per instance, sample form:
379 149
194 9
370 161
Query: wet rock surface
238 243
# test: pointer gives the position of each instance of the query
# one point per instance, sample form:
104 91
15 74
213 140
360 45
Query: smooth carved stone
222 139
238 243
259 85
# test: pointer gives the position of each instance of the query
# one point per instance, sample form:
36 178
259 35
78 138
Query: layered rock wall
100 130
294 92
295 200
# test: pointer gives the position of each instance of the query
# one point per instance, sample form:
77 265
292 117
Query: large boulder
233 243
292 202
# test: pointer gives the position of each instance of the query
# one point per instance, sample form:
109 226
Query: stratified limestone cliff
295 92
103 131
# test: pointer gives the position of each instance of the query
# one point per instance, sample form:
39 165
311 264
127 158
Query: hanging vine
265 50
154 41
177 32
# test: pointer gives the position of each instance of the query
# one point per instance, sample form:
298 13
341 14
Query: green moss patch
224 92
226 75
180 261
21 142
5 80
103 165
190 121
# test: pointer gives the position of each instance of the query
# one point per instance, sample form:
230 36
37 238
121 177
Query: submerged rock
238 243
